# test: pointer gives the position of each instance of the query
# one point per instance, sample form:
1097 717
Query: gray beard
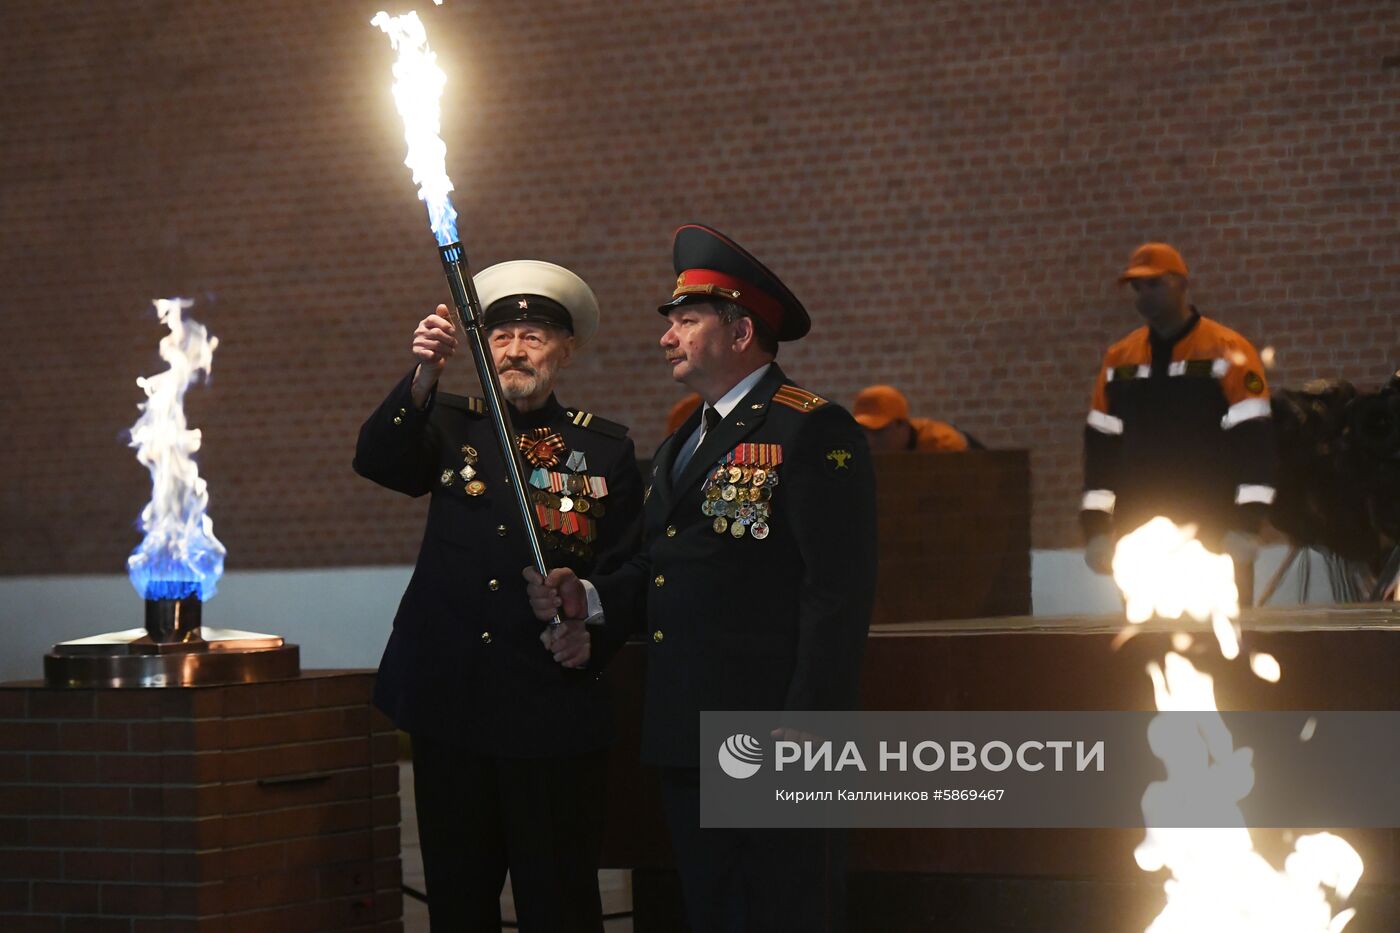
519 386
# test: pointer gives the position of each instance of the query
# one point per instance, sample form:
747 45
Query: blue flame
161 569
179 555
443 218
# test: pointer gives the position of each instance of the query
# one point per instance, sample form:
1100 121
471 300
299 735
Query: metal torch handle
467 320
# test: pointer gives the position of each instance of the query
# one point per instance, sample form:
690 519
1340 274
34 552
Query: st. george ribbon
418 84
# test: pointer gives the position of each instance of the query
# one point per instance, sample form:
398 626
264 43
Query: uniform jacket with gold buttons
464 662
776 622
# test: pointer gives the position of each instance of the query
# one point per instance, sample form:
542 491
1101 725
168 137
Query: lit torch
418 84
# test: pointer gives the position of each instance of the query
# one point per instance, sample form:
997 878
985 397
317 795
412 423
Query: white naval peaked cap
506 288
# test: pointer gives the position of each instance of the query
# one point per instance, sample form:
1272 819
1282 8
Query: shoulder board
798 398
586 419
471 403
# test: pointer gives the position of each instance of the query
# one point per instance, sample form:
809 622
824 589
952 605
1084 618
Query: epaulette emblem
586 419
798 398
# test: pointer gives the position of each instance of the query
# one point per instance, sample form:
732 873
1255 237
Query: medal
476 487
446 477
541 447
467 473
566 504
738 489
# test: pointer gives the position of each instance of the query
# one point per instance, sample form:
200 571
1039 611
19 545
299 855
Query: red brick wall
950 187
268 806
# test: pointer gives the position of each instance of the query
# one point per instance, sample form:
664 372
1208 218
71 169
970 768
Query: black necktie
711 418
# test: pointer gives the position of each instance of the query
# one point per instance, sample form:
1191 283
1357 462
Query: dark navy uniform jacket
752 623
464 663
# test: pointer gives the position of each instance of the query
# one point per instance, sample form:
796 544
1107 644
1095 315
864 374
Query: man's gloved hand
1098 553
1242 546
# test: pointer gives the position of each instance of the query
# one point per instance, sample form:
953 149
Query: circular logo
740 756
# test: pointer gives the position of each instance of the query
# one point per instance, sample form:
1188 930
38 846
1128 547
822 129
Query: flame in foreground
418 84
1218 883
1163 570
179 555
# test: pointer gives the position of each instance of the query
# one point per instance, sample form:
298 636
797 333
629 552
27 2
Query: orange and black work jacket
1179 427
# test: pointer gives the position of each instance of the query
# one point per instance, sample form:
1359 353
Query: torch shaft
467 317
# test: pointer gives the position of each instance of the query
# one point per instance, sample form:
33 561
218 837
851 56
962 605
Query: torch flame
179 555
1218 881
418 84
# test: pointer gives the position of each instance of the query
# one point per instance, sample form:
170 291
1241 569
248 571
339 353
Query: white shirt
734 396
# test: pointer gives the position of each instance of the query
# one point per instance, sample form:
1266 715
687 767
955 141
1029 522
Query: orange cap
681 411
1153 259
877 406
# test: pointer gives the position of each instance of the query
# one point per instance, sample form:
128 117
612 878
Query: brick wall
249 807
949 186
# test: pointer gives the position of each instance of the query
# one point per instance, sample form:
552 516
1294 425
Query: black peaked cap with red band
711 266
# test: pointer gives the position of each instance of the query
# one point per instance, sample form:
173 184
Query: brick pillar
229 809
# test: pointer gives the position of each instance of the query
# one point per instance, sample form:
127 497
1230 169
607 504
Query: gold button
398 419
493 585
501 530
486 638
658 636
670 531
660 580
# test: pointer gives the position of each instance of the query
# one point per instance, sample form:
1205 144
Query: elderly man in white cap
508 745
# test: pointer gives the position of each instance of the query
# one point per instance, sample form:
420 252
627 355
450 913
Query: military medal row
569 492
739 490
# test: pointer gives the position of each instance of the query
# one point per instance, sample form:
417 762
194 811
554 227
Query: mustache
518 368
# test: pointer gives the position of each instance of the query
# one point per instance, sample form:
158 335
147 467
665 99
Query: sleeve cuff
595 604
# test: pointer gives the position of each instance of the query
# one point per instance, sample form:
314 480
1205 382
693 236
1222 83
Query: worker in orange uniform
1180 426
883 412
